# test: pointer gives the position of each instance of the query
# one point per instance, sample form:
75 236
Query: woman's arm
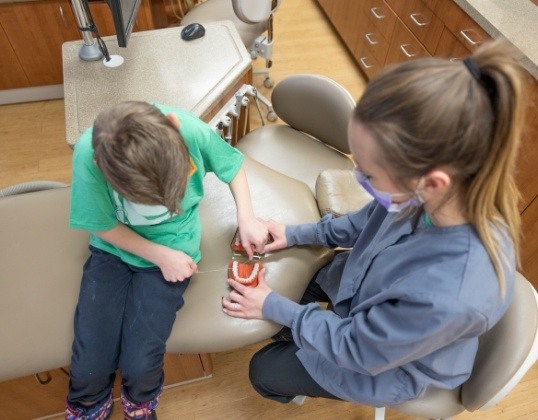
175 265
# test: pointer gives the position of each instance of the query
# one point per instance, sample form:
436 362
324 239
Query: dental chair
253 19
315 112
41 263
505 354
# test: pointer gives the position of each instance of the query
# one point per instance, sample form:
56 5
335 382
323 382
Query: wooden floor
33 147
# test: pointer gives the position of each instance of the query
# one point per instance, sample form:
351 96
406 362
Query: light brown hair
434 113
141 154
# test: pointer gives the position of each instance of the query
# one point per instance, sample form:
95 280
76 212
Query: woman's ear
436 181
173 119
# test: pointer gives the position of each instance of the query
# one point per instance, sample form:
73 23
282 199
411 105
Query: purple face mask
385 198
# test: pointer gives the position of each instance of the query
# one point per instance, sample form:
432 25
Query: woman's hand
277 232
246 302
176 265
254 234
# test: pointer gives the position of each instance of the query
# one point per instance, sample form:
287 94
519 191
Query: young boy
137 184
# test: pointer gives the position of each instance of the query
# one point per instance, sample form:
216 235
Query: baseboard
31 94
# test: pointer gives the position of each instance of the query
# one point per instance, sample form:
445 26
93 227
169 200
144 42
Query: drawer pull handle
465 34
415 18
364 64
370 40
374 12
403 47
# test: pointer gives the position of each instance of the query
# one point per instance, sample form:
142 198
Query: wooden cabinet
392 31
383 32
32 34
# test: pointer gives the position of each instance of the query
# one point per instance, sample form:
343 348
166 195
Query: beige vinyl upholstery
316 111
338 192
505 354
41 263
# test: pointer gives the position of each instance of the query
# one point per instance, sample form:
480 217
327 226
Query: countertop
515 20
159 67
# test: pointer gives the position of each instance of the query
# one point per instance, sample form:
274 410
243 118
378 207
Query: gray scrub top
410 301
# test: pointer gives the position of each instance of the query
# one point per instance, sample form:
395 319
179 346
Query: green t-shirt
95 206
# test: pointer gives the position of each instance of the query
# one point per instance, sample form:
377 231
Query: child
433 256
137 184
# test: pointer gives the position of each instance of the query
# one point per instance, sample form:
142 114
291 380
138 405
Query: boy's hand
254 236
278 234
176 265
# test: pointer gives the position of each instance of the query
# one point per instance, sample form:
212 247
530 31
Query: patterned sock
99 411
136 411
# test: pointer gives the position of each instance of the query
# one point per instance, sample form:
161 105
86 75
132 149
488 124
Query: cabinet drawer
466 30
450 47
404 46
382 16
420 20
367 62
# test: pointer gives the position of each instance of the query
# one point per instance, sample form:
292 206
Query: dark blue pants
276 373
124 316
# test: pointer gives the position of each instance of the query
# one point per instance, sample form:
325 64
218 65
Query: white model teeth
248 279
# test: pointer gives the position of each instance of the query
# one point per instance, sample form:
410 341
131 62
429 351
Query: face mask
385 198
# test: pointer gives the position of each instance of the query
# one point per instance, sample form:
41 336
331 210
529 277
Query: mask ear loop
419 188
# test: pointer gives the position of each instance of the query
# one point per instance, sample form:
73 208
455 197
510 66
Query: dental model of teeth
244 273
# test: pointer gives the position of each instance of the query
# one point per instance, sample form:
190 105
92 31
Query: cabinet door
36 31
404 46
11 73
366 60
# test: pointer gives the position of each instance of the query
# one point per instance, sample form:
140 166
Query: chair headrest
252 11
315 105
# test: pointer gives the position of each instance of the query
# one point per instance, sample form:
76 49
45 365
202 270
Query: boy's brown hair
141 154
